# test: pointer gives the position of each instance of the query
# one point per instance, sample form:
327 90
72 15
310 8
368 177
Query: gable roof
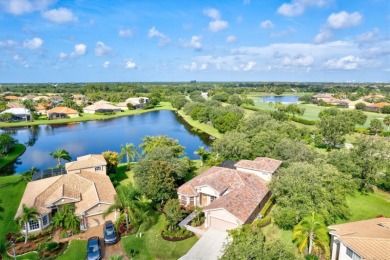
86 189
102 104
86 161
368 238
17 111
62 110
261 164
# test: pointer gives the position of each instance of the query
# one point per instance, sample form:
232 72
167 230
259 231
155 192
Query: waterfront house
88 163
101 106
230 197
62 112
138 102
366 239
19 114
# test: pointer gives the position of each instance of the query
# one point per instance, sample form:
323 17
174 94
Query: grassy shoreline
17 151
201 126
88 117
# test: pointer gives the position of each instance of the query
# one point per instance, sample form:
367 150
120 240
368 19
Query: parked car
94 251
109 233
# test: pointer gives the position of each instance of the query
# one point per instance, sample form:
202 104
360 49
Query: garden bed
182 235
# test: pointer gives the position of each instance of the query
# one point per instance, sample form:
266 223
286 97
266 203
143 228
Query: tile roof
102 104
368 238
86 161
381 104
12 97
15 105
260 164
17 111
62 110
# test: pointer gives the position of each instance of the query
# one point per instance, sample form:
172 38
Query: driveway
208 247
109 250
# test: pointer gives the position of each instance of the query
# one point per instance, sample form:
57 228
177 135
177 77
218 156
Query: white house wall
207 190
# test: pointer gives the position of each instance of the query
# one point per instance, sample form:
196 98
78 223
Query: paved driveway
208 247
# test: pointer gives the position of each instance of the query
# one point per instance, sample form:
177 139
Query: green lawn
77 249
152 246
17 151
88 117
28 256
123 176
201 126
11 192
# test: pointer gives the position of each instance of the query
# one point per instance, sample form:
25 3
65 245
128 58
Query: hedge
303 121
267 205
262 222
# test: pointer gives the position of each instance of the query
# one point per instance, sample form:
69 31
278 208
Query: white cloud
298 7
106 64
33 44
295 61
79 50
62 55
203 67
163 39
8 43
18 7
368 37
21 60
267 24
344 20
231 38
102 49
218 25
284 33
60 15
130 64
322 36
192 67
349 62
212 13
193 43
249 66
125 33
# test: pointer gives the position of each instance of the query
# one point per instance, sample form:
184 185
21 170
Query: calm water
99 136
282 99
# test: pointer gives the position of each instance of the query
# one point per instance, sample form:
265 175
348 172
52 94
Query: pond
99 136
282 99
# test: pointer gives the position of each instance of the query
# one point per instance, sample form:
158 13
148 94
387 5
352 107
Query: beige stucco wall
223 215
73 115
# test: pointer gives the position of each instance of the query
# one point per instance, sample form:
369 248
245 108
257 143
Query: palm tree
311 231
61 154
27 175
27 215
202 154
130 151
386 121
134 206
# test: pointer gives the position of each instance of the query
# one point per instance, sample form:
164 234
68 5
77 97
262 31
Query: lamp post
13 248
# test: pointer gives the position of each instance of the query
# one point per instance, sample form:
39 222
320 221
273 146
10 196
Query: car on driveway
94 251
109 232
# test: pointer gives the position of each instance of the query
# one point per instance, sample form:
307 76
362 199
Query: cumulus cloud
62 55
195 67
249 66
79 50
106 64
284 33
130 64
193 43
203 67
267 24
212 13
298 7
21 60
163 40
8 43
294 61
19 7
344 20
368 37
323 36
102 49
60 15
217 24
231 38
349 62
33 44
125 33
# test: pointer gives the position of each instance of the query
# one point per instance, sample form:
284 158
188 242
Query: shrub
303 121
267 205
262 222
362 130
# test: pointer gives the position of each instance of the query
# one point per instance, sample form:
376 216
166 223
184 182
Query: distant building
101 106
138 102
62 112
19 114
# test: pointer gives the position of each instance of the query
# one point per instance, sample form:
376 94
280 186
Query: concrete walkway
187 220
208 247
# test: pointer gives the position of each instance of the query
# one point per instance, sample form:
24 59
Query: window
33 225
352 254
192 201
45 220
212 198
98 168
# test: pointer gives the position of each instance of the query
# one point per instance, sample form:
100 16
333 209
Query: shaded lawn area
123 176
11 192
17 151
77 249
152 246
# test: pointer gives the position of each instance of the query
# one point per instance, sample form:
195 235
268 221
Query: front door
203 199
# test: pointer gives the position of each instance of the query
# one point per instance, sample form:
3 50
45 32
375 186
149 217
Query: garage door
96 220
221 224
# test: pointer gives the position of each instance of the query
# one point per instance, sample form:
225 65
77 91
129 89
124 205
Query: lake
282 99
98 136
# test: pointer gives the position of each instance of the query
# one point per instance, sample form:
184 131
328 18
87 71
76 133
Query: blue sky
214 40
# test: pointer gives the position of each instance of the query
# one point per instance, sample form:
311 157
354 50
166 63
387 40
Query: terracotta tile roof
12 97
381 104
40 107
86 161
260 164
62 110
368 238
15 105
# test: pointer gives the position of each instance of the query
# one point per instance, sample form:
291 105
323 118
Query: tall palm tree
201 152
129 200
60 154
27 215
130 151
311 231
27 175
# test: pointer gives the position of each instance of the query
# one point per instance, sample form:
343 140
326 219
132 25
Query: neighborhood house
18 114
62 112
101 106
230 197
85 185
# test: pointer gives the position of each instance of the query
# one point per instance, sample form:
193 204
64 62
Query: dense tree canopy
6 143
152 142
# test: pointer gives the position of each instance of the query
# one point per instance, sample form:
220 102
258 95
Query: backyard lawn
17 151
201 126
77 249
152 246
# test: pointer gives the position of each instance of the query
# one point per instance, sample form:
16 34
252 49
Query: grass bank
89 117
201 126
11 192
17 151
76 250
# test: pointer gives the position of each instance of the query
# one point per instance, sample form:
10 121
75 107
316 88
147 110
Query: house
101 106
41 109
79 99
94 163
90 193
15 105
12 98
230 197
367 239
62 112
18 114
138 102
